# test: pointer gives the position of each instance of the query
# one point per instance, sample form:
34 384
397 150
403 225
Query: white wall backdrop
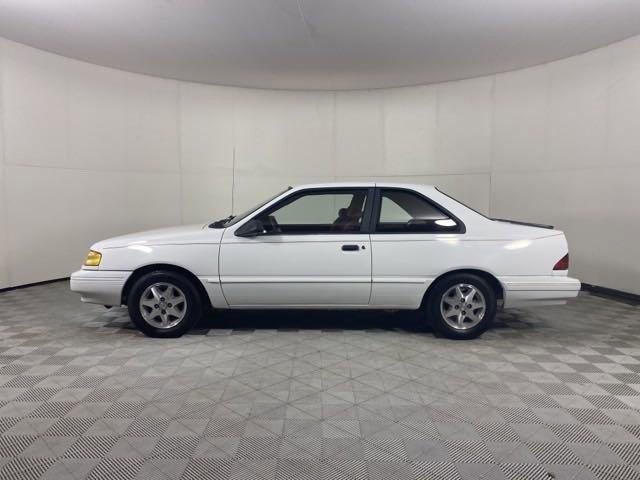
90 152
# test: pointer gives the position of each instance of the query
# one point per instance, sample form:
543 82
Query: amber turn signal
93 259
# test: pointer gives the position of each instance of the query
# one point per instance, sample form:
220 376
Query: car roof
412 186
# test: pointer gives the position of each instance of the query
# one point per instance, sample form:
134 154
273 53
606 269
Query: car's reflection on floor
317 320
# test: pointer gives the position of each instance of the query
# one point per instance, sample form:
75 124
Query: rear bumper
99 286
539 290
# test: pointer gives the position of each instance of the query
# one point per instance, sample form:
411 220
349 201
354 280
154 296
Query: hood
164 236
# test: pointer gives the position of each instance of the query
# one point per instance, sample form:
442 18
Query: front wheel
164 304
461 306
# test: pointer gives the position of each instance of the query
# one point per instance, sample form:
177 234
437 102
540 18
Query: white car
334 246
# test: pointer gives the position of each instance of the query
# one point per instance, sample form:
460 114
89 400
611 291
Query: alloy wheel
463 306
163 305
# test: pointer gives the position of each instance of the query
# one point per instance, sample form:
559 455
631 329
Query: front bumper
99 286
539 290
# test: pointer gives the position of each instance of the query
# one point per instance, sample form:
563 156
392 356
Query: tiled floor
548 393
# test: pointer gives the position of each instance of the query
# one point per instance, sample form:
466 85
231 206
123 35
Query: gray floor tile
331 395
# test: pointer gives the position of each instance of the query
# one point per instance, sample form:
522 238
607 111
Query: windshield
233 219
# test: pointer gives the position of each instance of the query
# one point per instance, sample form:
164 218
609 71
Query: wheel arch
493 282
139 272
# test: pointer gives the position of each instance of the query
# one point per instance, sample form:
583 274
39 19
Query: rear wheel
164 304
461 306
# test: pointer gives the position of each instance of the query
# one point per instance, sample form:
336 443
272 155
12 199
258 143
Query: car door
313 250
412 238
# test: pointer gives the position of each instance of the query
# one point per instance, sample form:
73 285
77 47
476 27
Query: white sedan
334 246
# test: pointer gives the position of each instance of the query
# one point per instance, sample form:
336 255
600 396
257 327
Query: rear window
402 211
463 204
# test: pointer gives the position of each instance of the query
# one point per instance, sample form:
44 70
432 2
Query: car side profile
334 246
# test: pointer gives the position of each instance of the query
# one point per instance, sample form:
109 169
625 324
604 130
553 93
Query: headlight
93 259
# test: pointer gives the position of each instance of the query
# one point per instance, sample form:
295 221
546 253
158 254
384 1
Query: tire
159 288
444 306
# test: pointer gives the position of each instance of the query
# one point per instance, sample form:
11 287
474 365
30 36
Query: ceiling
318 44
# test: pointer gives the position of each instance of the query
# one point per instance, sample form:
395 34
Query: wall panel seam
4 215
180 152
492 141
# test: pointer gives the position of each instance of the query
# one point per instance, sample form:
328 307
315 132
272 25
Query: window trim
377 208
365 224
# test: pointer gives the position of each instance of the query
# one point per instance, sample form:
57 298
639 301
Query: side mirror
252 228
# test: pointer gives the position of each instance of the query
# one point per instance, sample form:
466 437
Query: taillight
562 264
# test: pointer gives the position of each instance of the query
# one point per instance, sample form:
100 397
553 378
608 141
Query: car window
406 212
318 212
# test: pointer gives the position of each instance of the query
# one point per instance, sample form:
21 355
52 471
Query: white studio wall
90 152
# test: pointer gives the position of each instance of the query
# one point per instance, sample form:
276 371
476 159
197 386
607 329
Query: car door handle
350 248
